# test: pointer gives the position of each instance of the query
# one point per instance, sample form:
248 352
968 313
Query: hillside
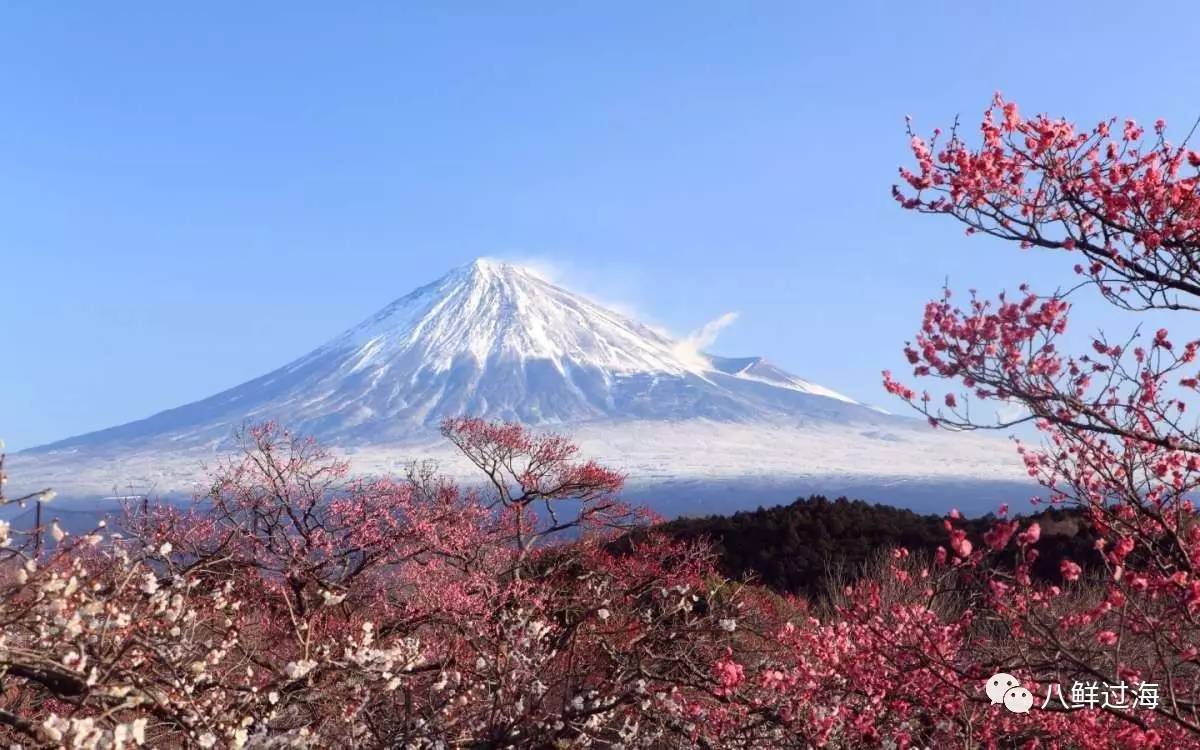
792 548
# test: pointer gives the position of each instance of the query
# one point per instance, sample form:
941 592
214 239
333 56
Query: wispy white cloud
611 286
691 347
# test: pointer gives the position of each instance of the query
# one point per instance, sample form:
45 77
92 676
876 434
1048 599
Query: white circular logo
999 684
1018 700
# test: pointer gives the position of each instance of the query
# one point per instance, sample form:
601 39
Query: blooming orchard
293 605
1119 443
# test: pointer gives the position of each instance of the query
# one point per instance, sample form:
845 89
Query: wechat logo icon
1005 689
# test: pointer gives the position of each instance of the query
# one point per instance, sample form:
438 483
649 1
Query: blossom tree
1119 444
295 605
13 542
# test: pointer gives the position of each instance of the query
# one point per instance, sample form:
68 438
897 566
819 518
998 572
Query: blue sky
190 197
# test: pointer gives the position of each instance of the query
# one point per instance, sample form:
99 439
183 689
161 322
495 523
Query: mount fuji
500 341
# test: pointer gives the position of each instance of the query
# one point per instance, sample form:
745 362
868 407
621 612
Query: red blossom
1115 446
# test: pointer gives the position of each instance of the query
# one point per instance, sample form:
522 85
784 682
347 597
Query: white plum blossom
195 631
298 669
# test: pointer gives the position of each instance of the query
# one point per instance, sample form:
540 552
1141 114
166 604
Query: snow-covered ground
724 465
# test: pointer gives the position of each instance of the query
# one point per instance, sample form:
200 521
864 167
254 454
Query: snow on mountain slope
757 368
494 340
689 466
499 341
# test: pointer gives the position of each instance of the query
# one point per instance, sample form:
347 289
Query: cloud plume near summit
691 347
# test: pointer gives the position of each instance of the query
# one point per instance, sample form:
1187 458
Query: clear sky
190 197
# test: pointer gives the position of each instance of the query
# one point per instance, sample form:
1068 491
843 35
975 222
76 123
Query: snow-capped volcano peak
496 311
496 340
501 341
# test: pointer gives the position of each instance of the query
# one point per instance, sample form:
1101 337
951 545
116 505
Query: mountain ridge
497 340
694 432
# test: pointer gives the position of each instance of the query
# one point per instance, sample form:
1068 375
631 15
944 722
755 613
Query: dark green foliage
792 548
